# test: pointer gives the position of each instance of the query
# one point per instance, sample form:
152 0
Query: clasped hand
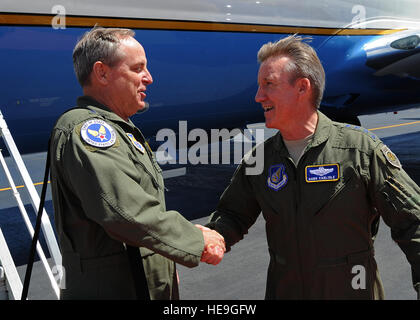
214 246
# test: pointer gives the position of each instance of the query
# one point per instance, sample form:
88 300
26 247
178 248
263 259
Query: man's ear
100 72
304 86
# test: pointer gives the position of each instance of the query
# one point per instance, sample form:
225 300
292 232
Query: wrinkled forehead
273 67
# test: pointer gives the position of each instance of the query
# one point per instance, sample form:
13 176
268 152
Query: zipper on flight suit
298 237
298 194
156 166
151 157
136 162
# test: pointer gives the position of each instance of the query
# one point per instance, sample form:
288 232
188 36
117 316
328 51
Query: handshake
214 246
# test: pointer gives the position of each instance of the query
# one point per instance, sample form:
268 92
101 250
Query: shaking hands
214 246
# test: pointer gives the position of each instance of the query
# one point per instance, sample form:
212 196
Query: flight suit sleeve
107 183
237 209
397 198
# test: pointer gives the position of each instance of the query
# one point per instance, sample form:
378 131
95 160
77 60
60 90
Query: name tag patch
322 173
277 177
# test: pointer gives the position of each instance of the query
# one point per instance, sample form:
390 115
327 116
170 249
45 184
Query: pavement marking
17 187
395 125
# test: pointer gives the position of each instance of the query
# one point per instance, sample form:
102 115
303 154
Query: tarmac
242 273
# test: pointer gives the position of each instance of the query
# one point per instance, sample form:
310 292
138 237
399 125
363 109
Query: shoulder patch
137 144
277 177
391 157
98 133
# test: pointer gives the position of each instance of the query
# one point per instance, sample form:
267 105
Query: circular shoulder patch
98 133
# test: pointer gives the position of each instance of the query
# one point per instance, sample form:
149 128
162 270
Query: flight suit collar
102 110
322 133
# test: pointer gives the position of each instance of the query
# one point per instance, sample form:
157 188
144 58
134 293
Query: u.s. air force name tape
98 133
322 173
391 157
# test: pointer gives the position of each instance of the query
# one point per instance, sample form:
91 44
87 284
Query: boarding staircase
10 282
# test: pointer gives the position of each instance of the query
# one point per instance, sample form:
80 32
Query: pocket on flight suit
161 277
348 205
282 279
397 205
112 275
347 277
339 192
146 178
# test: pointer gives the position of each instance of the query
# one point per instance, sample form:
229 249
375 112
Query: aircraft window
407 43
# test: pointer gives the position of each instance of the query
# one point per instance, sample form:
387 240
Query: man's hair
98 44
304 62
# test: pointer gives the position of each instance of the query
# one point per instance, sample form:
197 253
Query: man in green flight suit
108 190
322 191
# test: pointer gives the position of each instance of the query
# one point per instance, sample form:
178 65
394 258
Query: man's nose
259 96
147 79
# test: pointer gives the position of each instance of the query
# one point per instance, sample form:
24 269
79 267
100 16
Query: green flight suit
107 196
322 216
